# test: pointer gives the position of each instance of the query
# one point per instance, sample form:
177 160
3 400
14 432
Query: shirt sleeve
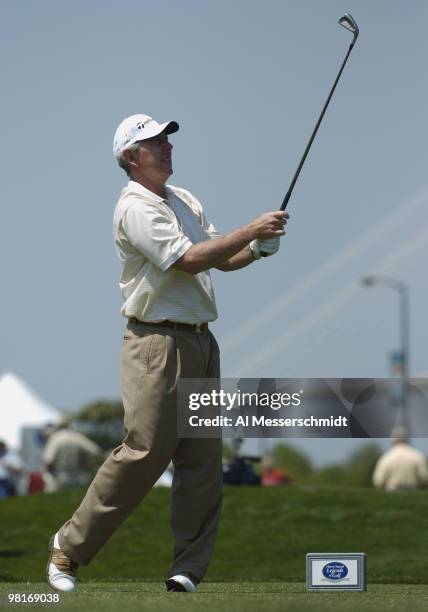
209 228
155 234
49 452
379 475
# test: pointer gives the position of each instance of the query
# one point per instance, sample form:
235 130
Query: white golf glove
268 246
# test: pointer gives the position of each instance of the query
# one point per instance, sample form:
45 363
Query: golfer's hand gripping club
267 229
270 247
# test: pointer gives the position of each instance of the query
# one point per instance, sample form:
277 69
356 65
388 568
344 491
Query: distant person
36 483
273 476
239 471
69 456
402 467
10 469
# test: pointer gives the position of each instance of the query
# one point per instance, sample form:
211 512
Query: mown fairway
227 597
259 560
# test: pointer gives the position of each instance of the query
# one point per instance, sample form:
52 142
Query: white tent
20 407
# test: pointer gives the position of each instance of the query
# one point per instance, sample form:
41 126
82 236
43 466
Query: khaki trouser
153 359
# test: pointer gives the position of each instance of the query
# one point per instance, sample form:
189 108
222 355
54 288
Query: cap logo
142 124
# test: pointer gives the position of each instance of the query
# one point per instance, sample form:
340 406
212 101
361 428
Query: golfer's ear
130 157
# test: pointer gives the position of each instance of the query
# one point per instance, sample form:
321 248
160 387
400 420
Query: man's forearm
240 260
212 253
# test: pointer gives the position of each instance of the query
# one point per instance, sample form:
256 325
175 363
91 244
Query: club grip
287 197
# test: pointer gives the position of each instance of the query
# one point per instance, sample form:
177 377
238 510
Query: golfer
166 247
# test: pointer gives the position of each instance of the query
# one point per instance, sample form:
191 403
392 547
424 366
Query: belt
197 328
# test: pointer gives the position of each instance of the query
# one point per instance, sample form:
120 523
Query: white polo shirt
150 234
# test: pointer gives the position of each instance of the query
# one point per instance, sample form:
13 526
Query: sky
246 81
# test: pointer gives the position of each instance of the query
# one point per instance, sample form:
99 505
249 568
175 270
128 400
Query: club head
348 22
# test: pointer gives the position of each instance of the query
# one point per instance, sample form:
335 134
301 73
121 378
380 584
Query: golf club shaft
302 161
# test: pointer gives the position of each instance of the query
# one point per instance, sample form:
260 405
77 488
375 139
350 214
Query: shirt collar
147 194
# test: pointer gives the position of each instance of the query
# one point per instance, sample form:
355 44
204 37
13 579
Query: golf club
348 22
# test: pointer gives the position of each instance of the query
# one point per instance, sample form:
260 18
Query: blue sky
246 81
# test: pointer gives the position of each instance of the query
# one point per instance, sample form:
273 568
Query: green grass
227 597
264 536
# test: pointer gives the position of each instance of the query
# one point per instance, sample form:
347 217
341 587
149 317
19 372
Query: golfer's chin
167 169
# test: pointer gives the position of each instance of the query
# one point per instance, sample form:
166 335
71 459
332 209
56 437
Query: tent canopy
20 406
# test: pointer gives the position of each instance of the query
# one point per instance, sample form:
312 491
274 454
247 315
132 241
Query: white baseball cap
139 127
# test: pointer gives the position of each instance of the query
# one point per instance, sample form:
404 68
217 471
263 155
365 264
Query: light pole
403 293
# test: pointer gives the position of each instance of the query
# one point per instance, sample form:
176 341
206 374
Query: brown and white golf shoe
60 569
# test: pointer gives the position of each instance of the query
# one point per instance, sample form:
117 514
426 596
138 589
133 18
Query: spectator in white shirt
402 467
